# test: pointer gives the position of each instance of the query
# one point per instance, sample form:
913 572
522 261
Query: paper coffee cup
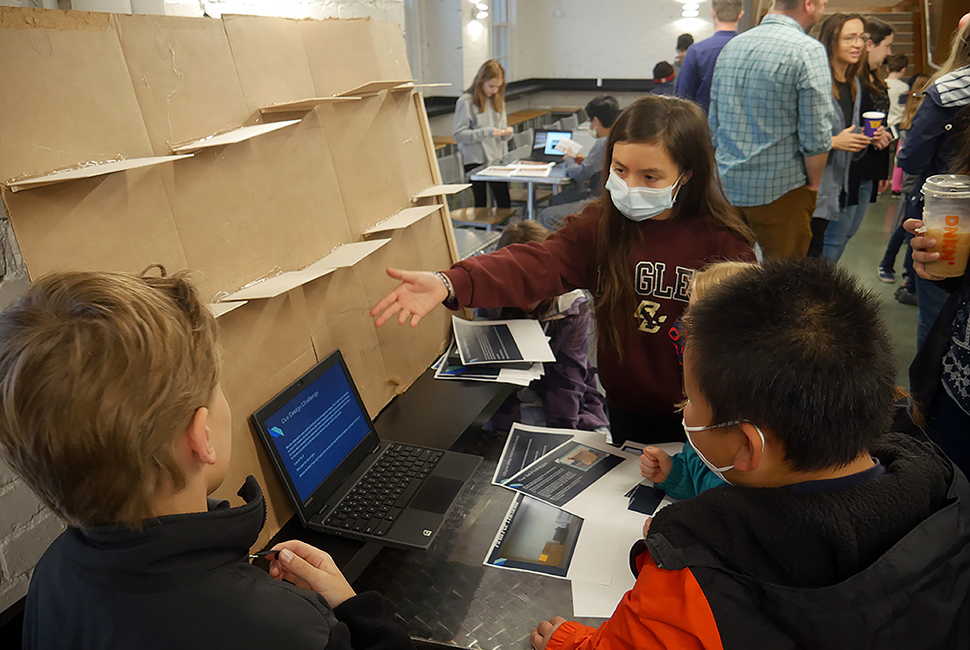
871 121
946 218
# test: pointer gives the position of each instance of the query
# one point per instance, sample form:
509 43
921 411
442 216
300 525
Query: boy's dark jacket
186 582
882 564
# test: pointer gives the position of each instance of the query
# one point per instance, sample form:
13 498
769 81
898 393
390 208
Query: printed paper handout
562 474
535 537
449 366
569 147
501 341
519 169
524 447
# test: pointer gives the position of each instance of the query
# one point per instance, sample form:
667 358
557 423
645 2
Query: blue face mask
719 471
641 203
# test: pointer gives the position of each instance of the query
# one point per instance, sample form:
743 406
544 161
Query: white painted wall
616 39
386 10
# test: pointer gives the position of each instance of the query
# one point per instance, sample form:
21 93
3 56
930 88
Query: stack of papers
519 168
569 147
503 351
570 517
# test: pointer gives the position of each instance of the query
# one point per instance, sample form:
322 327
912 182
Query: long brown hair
830 36
681 127
913 101
872 79
491 69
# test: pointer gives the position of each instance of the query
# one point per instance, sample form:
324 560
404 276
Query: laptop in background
342 478
544 145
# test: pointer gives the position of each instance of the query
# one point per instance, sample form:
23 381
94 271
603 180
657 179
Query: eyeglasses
861 38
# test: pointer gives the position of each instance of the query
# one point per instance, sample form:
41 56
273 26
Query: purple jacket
568 387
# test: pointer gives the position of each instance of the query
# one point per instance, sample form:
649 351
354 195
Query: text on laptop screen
552 139
317 429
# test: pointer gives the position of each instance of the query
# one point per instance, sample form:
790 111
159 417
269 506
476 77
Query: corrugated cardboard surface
93 87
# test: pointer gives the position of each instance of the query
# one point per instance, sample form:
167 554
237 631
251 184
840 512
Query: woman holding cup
871 168
932 147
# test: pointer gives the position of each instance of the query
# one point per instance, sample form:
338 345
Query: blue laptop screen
317 429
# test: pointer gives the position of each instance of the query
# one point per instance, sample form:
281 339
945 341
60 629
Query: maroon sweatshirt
649 379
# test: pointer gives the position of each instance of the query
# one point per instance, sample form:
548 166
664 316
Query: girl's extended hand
655 464
882 138
849 140
418 293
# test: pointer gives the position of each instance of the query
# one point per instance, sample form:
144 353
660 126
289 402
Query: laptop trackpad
436 495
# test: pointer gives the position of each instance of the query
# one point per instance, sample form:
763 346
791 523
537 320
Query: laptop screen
316 430
546 141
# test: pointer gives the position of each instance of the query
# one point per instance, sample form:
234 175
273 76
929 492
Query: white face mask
718 470
640 203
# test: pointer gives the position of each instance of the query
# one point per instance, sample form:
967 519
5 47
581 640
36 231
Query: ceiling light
481 15
690 14
482 6
691 6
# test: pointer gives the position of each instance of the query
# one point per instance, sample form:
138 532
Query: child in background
482 128
112 411
566 396
662 217
684 475
896 64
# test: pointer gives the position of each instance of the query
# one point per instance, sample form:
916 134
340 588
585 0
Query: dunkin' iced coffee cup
871 121
946 218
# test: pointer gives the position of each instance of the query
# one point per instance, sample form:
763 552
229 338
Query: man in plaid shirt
771 117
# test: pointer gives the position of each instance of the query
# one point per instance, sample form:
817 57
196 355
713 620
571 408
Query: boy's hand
312 569
655 464
646 526
544 631
418 293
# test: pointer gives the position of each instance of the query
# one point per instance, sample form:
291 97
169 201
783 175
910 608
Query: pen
253 556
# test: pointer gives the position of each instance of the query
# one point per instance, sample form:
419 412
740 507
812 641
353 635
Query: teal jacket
688 476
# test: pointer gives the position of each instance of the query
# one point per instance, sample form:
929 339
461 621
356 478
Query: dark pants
949 427
818 227
500 192
649 429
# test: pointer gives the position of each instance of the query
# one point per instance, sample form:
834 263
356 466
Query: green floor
862 256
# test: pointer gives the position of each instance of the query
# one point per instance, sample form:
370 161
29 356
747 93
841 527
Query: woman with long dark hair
662 217
868 174
844 38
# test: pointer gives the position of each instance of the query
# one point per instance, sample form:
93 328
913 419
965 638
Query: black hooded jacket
185 582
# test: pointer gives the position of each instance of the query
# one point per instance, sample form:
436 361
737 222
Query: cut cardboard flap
408 86
373 87
232 137
87 171
441 190
346 255
220 308
404 218
304 104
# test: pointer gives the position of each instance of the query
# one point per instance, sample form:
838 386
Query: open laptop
342 478
544 145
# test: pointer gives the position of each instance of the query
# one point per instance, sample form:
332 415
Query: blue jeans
841 230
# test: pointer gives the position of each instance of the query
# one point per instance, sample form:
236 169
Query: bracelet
451 290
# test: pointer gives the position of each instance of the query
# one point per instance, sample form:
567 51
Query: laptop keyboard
377 500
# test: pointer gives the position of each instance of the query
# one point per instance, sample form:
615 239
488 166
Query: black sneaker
905 296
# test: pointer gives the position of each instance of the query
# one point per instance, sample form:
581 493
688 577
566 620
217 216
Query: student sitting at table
482 129
601 113
684 475
112 411
566 397
833 533
662 217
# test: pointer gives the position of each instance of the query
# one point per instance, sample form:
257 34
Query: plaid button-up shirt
771 105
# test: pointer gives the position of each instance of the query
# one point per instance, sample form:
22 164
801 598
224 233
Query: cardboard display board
99 87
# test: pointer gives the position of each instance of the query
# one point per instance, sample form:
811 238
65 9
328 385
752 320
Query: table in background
526 118
556 178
